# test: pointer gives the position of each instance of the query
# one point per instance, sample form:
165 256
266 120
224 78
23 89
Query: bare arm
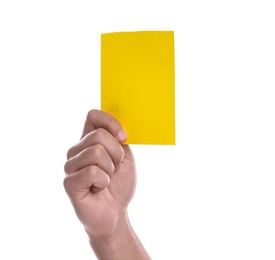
100 182
121 244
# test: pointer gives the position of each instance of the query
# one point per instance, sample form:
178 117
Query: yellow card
137 84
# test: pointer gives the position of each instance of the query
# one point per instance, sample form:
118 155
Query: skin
100 182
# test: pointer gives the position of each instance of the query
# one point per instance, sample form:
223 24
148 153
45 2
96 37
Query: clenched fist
100 182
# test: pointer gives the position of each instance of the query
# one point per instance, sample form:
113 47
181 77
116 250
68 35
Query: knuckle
96 150
66 167
70 152
66 185
88 173
91 114
99 133
91 171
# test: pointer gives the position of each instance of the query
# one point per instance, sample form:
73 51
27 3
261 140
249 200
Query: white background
211 196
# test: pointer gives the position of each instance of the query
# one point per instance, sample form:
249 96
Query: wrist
116 236
122 243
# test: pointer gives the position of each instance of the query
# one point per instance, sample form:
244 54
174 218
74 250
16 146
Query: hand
100 175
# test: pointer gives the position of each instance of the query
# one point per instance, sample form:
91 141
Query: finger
93 155
100 119
79 184
103 137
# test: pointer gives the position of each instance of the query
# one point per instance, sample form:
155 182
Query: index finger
100 119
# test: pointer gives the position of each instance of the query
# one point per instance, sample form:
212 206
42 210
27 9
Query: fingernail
121 136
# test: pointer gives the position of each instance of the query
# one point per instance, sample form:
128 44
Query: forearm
122 244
